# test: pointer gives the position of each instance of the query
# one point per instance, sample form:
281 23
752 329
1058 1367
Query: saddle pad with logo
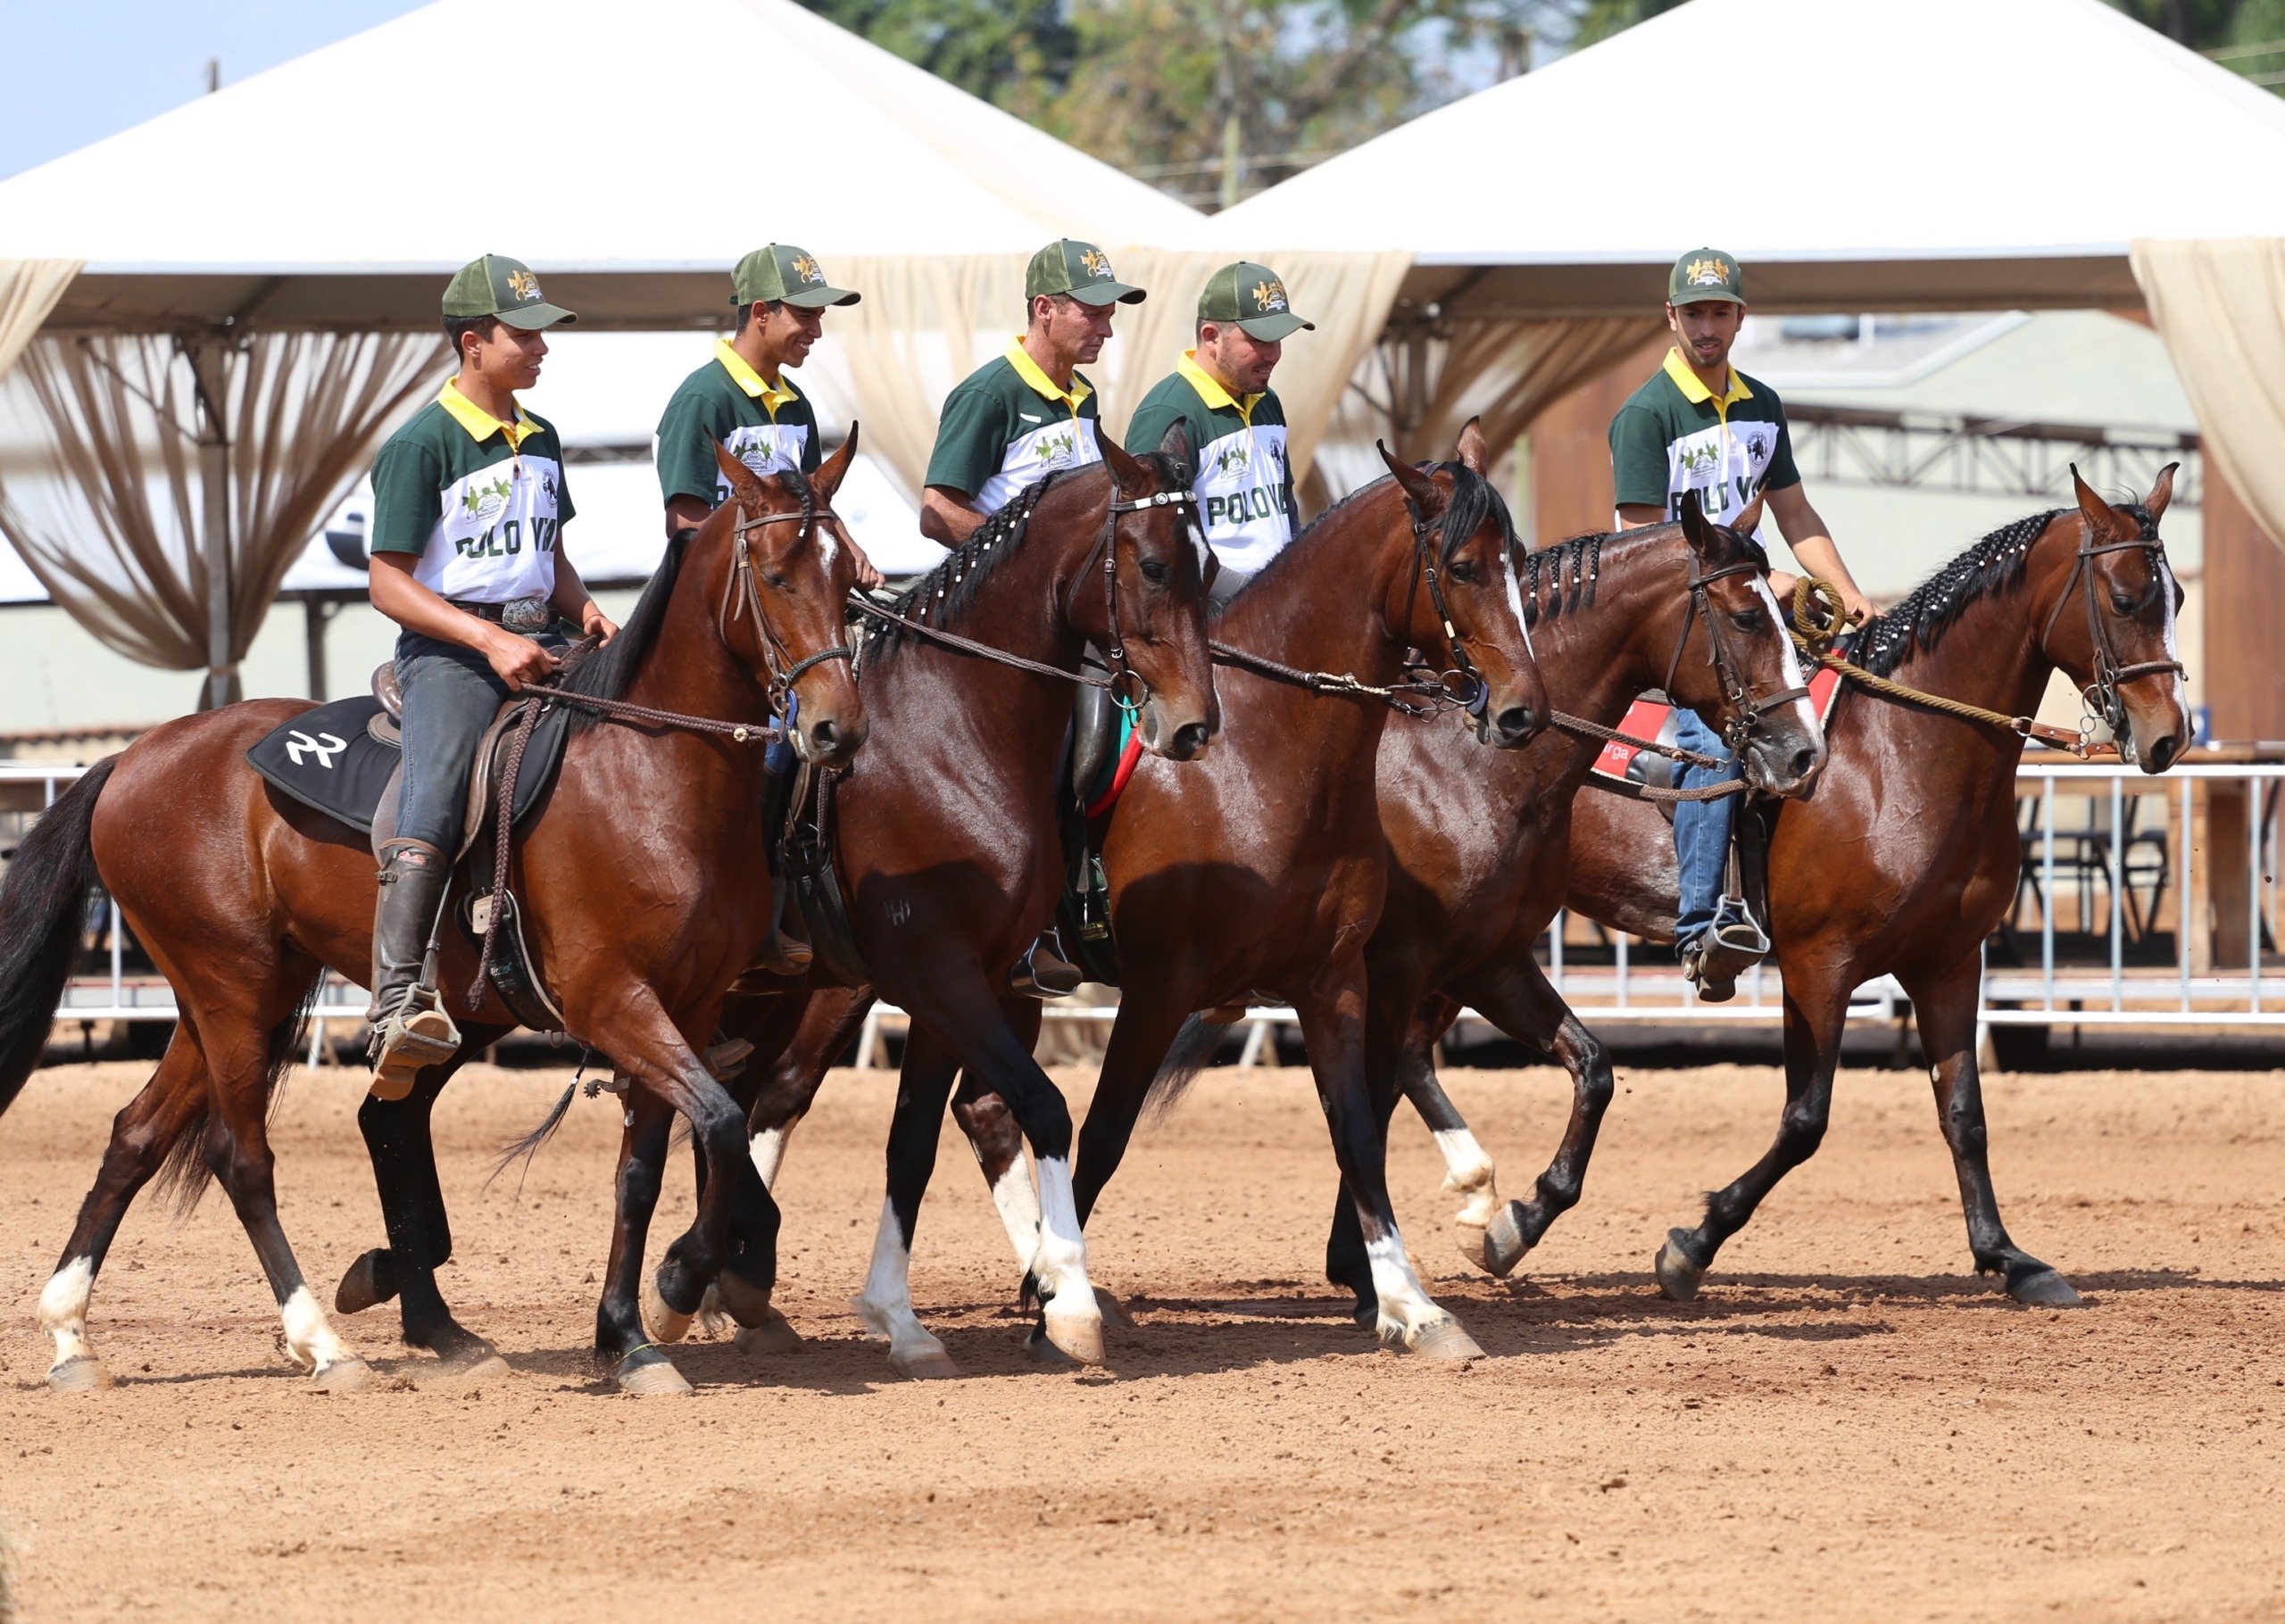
1647 719
328 759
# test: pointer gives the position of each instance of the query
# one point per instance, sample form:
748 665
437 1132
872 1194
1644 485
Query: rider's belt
527 616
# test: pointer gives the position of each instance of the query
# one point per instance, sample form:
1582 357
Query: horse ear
1695 530
1473 453
1749 521
2099 517
1424 491
1128 475
830 473
738 474
2161 493
1175 443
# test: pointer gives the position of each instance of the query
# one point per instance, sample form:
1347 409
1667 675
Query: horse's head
1147 610
1461 603
2110 625
1734 664
789 569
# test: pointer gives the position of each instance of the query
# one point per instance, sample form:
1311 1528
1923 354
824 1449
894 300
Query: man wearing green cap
1700 425
1023 415
1027 412
468 510
1219 392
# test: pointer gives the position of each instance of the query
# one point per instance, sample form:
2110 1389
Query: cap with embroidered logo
1080 269
498 285
1704 274
1254 297
783 275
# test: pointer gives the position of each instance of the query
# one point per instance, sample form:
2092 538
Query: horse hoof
743 1300
1044 1353
2045 1288
1081 1338
1113 1311
661 1323
774 1335
652 1378
1502 1244
1445 1341
80 1373
369 1282
924 1365
471 1367
346 1374
1679 1279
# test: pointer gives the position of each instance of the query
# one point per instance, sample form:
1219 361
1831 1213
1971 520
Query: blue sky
73 71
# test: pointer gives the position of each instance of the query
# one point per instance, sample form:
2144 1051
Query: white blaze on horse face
309 1341
64 1310
1793 664
768 1151
1515 596
885 1307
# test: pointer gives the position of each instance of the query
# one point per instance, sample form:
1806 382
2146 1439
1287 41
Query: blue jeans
1701 829
450 695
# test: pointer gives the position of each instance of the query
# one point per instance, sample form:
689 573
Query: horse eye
777 582
1154 572
1745 620
1460 569
2125 603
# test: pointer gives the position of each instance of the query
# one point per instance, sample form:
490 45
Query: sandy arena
1844 1425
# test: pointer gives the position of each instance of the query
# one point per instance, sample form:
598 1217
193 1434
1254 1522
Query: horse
243 897
948 854
1907 855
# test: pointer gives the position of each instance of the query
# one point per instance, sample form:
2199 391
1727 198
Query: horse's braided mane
1571 570
1475 499
1991 566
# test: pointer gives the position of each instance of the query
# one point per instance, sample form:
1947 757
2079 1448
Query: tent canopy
1971 154
636 156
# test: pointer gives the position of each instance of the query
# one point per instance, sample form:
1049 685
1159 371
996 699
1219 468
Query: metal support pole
317 615
210 363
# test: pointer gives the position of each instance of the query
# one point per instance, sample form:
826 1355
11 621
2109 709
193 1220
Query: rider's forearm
1820 558
686 513
571 599
945 521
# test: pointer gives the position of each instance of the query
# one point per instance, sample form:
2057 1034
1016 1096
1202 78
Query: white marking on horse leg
1793 664
309 1341
1406 1306
885 1307
1013 1193
768 1151
64 1310
1060 1263
1469 1174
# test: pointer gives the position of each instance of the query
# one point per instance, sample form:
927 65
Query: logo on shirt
1698 459
1757 446
1233 458
1705 273
486 502
1268 296
523 284
1057 449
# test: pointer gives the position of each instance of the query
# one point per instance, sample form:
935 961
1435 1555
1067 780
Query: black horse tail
1193 1046
43 915
527 1147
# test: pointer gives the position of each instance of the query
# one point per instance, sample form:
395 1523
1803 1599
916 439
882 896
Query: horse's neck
1328 610
1990 655
1596 658
687 668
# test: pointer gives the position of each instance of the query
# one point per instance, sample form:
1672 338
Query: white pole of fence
2117 891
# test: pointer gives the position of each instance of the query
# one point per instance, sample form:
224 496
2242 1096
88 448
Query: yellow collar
1697 394
772 397
1027 368
1209 388
480 423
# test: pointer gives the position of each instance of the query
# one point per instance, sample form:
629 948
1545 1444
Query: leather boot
410 1028
1043 973
781 954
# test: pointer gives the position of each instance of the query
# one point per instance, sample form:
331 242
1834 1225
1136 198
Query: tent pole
316 610
210 366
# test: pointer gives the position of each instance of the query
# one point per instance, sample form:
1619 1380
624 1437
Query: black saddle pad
328 759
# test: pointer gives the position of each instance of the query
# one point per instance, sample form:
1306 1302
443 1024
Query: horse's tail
527 1147
1193 1046
43 912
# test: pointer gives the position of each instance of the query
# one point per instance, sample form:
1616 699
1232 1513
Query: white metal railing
2213 978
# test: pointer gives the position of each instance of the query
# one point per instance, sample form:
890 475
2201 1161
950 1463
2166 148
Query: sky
72 72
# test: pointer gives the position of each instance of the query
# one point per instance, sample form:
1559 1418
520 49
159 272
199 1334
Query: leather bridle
2101 696
740 597
1746 711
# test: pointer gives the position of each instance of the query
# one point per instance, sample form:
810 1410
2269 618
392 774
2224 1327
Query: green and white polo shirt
768 426
483 503
1008 425
1244 483
1674 436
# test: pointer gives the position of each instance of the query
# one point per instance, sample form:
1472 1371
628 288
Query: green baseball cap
783 275
1254 297
1705 274
1080 269
498 285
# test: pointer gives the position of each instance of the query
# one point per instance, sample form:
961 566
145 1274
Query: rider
743 400
1024 414
1700 425
1219 391
468 510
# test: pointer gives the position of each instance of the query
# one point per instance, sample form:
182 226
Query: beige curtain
29 291
925 324
2220 305
160 488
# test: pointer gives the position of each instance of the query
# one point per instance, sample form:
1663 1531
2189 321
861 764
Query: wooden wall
2245 619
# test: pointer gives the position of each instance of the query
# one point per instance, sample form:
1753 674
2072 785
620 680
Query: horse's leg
1334 1028
1945 1007
1816 1007
630 1320
1518 1000
1484 1227
1144 1031
174 1104
884 1306
1393 1005
783 1090
998 1141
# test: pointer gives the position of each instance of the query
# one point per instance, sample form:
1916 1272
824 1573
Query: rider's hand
519 661
1857 607
869 578
597 624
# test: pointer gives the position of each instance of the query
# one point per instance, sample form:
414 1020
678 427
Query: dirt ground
1844 1425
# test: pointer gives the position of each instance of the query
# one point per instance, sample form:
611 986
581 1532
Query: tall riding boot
781 954
410 1028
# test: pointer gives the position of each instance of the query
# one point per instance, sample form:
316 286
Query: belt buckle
527 616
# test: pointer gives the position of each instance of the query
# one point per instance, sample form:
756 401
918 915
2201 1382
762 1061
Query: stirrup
1736 937
1043 972
420 1033
1706 968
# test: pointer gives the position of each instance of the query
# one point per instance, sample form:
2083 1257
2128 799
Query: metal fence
2143 901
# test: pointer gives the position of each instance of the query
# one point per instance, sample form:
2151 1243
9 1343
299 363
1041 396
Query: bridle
1746 712
1470 692
740 597
2101 697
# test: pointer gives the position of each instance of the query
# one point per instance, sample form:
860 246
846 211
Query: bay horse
948 855
646 890
1907 855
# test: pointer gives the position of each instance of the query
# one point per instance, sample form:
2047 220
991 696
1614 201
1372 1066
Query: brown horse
1907 855
647 893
